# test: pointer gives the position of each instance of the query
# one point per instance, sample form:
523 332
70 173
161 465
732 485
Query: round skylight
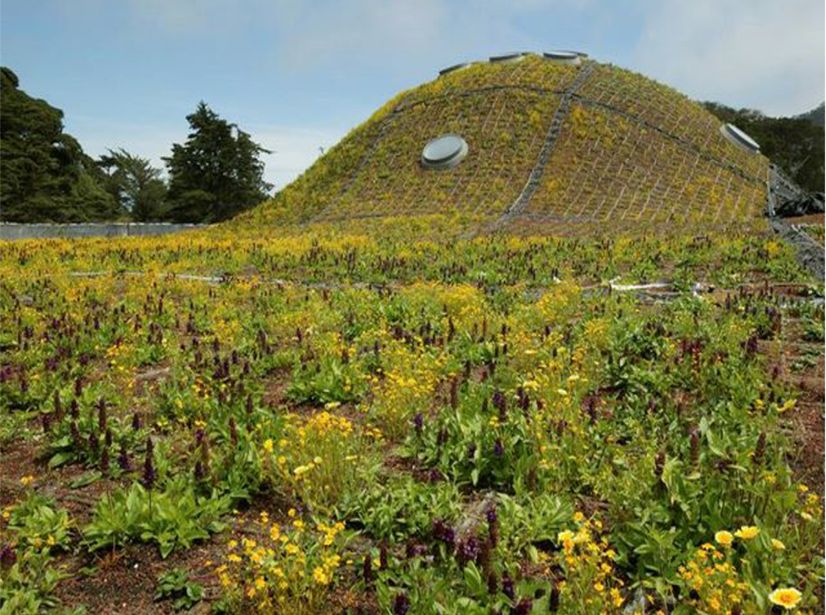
453 68
563 57
444 152
581 54
509 57
739 138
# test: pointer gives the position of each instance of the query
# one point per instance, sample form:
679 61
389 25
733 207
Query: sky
299 74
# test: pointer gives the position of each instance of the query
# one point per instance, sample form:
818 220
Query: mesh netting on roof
504 131
547 141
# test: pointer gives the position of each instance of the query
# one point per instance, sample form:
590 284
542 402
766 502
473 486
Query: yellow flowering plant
291 568
318 459
254 367
588 563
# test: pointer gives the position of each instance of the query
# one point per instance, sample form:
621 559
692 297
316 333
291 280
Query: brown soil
808 219
807 420
124 581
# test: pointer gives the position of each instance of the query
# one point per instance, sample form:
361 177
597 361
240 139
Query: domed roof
550 139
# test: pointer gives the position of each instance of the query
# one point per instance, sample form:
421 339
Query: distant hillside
815 116
794 143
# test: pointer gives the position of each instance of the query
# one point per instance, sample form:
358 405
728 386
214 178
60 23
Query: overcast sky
299 74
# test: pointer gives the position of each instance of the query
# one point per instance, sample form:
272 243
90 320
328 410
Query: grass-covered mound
548 143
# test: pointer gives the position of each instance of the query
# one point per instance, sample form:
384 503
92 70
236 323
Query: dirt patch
807 422
808 219
275 388
16 461
125 580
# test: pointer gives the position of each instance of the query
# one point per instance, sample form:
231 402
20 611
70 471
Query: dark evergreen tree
217 173
135 184
44 174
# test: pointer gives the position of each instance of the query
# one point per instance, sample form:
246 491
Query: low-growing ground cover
410 422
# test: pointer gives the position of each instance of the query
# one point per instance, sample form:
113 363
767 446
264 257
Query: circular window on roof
739 138
454 68
563 57
515 56
444 152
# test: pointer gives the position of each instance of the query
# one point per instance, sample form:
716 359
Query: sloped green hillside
549 144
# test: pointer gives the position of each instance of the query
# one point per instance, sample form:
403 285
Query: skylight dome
454 67
740 138
563 57
444 152
508 57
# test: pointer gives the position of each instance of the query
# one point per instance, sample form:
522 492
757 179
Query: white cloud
758 53
766 54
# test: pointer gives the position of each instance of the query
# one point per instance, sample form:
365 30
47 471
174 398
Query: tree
135 184
44 174
217 173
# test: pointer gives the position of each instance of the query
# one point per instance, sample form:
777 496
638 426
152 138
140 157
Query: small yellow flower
747 532
788 405
320 576
260 583
777 545
268 445
564 536
724 538
27 480
787 597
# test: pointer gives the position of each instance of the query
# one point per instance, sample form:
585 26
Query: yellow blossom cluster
407 387
316 459
291 567
713 578
587 561
811 507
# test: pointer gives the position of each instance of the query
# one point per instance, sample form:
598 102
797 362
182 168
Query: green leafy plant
175 585
37 522
174 517
27 586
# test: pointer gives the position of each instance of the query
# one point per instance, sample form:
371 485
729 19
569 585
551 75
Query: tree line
795 144
45 176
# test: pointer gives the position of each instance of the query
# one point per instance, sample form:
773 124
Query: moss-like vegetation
627 150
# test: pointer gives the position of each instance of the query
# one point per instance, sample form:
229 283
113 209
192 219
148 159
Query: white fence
104 229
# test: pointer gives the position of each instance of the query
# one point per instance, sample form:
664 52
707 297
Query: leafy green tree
217 173
44 174
135 184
